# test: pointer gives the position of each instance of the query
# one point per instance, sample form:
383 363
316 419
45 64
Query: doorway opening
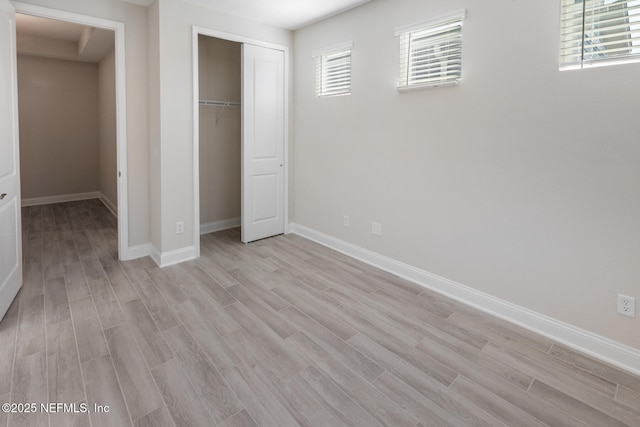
240 88
68 139
54 43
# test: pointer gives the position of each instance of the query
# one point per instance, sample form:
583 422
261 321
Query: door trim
196 31
121 105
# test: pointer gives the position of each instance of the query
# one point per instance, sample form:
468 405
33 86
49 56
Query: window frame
405 36
577 47
322 58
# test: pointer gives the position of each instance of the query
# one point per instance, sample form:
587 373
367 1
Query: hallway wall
58 110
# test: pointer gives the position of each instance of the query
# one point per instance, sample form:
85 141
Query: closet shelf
223 104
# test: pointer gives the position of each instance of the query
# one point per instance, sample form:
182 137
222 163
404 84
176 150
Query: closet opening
68 144
219 91
240 136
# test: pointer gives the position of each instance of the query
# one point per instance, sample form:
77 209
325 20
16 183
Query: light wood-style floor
281 332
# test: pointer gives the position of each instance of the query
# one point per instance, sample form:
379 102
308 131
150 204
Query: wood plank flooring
280 332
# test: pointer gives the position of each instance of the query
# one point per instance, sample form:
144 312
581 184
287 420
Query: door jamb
196 31
121 105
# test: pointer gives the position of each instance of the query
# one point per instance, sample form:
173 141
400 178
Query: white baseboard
154 253
139 251
36 201
605 349
165 259
225 224
108 204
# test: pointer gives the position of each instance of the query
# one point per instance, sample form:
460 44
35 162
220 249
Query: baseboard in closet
225 224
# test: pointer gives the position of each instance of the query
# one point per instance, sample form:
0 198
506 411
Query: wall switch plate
376 228
179 227
626 305
345 221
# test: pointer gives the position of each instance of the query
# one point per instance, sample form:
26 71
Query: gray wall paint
522 182
107 142
58 110
219 79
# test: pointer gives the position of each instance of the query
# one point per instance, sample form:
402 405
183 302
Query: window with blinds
333 71
431 53
599 32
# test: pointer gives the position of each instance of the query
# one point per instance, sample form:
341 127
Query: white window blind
599 32
431 53
333 71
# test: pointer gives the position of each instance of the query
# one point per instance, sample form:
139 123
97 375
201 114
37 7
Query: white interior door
262 142
10 229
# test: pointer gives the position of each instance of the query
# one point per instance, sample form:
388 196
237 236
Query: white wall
58 110
135 21
107 140
219 80
522 182
173 171
153 57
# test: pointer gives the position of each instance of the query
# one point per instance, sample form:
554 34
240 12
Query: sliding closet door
262 142
10 229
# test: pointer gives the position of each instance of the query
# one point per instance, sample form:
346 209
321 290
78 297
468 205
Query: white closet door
10 229
262 142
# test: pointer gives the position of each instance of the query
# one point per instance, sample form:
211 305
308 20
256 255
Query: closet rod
219 103
223 104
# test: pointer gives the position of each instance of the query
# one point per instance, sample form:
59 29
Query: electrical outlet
626 305
376 228
179 227
345 221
